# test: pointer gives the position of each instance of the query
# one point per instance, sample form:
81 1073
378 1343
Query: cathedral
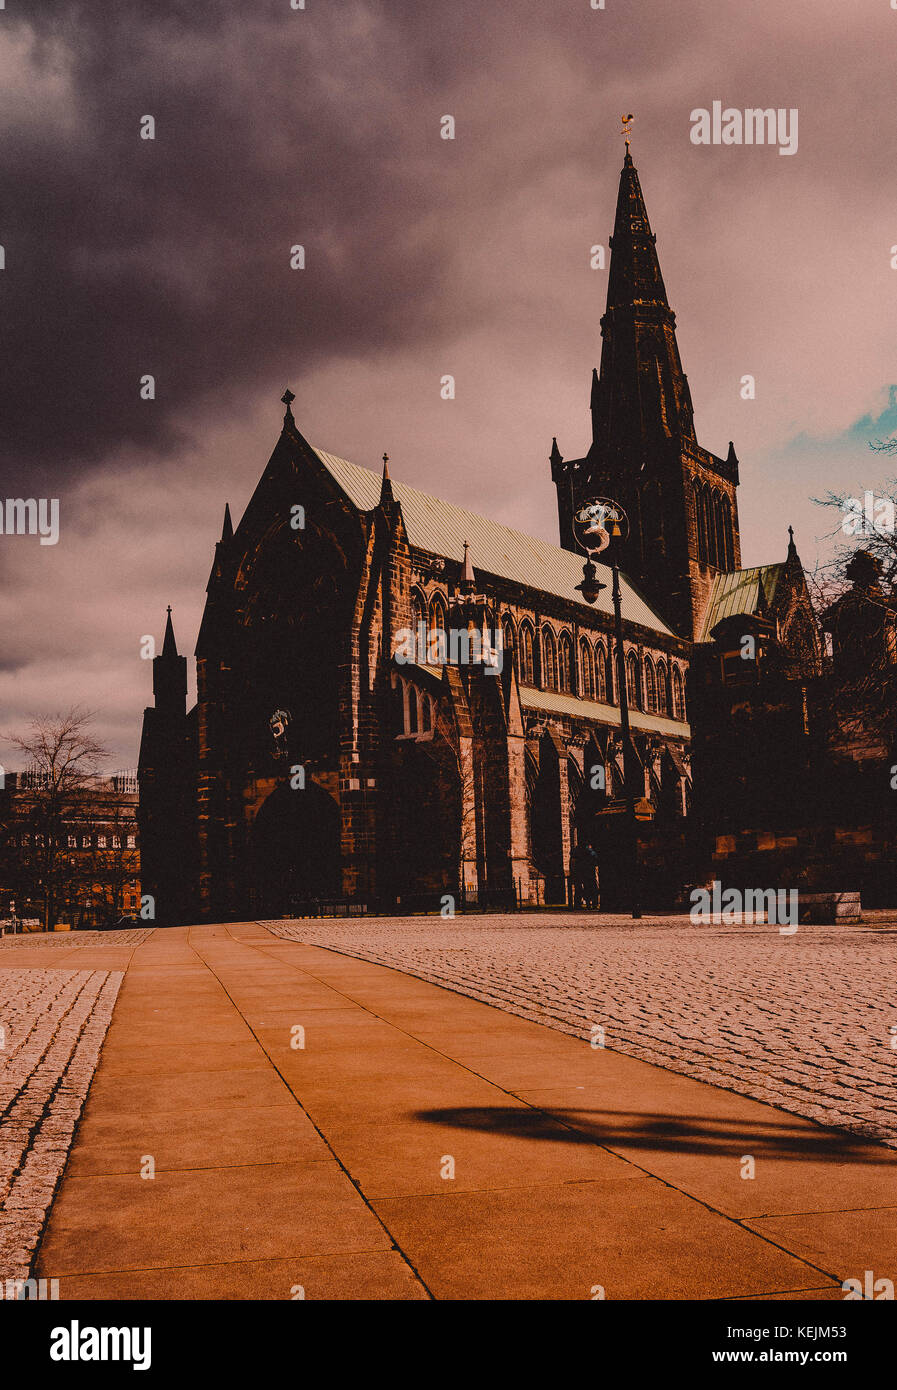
329 761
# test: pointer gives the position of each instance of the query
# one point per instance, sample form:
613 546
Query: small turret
386 493
468 582
170 676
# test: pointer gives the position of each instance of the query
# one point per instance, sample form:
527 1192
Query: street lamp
597 524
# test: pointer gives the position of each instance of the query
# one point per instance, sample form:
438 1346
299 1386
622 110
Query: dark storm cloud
171 256
424 257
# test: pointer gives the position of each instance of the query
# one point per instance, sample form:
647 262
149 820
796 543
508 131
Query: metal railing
555 894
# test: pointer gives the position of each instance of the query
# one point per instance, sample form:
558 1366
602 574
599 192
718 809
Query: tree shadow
653 1131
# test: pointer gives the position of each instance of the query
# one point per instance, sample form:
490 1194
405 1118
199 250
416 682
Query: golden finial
627 127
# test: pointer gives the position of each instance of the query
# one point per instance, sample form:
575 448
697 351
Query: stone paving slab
379 1160
854 1240
237 1136
802 1021
634 1239
196 1216
369 1275
702 1142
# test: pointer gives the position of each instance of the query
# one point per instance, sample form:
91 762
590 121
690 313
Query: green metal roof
739 592
441 528
555 703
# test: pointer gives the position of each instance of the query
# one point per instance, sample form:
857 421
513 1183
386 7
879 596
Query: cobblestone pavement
128 936
53 1024
806 1022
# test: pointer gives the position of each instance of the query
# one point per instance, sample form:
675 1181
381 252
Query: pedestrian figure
585 888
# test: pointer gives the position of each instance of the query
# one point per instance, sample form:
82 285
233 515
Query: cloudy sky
424 257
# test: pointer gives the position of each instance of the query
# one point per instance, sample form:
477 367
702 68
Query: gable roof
441 528
739 592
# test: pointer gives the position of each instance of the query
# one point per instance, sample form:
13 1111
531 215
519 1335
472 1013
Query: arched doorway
295 848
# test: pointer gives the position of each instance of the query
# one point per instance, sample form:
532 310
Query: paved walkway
422 1144
806 1022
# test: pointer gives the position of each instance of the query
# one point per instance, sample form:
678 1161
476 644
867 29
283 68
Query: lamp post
596 525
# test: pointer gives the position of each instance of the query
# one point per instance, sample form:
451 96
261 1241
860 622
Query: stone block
829 908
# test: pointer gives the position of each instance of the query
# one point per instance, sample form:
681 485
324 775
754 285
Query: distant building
91 850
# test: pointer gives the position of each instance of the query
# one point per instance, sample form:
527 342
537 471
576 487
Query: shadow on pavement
650 1131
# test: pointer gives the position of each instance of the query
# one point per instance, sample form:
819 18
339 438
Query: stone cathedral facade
325 759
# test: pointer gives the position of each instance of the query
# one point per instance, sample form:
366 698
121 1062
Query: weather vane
627 127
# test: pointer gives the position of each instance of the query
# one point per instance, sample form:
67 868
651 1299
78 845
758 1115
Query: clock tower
680 497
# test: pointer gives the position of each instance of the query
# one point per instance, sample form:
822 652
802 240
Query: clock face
278 722
598 523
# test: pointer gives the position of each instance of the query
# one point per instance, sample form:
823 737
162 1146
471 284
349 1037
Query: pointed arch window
419 625
718 544
586 669
527 670
412 708
549 660
728 536
565 663
663 688
437 641
711 526
701 521
650 685
601 673
678 694
508 638
633 681
398 705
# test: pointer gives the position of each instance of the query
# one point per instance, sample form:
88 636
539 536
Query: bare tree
856 589
859 528
62 763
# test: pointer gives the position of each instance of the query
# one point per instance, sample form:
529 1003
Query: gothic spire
644 452
596 391
169 645
227 530
386 493
635 276
640 402
169 677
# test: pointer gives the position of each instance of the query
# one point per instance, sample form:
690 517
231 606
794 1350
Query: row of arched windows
714 519
596 672
657 688
414 711
437 618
